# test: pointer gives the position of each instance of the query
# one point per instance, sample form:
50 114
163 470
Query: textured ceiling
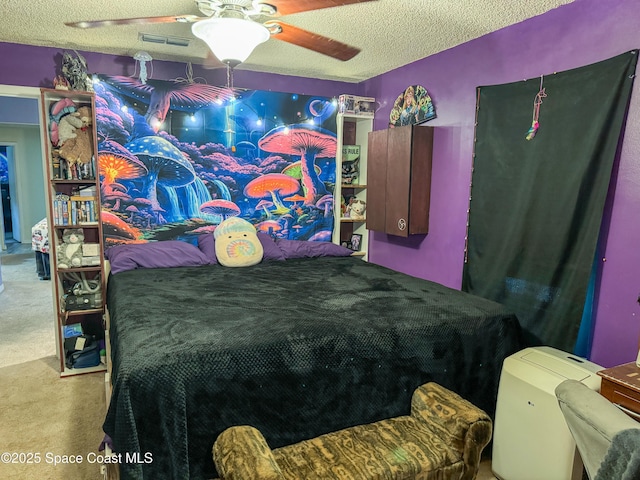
390 33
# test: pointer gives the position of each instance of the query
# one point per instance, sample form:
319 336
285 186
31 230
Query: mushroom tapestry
178 158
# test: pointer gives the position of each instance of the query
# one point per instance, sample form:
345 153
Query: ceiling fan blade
286 7
313 41
135 21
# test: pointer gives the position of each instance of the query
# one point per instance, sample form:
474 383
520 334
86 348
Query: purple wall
40 70
573 35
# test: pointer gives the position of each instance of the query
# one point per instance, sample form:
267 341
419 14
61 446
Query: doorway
6 176
26 301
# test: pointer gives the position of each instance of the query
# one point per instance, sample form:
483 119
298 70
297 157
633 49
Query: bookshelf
73 208
349 229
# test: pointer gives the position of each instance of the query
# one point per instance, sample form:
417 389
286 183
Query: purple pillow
207 245
271 250
305 249
167 253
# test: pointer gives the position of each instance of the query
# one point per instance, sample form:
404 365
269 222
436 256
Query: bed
295 348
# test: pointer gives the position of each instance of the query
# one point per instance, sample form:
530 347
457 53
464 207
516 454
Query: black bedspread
295 348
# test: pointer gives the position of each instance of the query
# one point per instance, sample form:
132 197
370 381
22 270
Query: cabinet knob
402 224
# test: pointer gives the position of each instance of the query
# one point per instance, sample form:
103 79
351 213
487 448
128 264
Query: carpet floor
27 321
48 419
42 417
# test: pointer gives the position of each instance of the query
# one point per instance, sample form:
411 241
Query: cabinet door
376 180
398 180
420 180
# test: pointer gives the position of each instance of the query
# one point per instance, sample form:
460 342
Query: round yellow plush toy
237 244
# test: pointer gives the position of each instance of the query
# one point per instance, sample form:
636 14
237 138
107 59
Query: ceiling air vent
162 39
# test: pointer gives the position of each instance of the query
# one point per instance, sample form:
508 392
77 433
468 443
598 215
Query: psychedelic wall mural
177 158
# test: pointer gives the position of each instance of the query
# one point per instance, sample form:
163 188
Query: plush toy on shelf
67 127
59 110
357 209
79 148
69 252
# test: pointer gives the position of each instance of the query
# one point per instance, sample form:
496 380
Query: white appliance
531 440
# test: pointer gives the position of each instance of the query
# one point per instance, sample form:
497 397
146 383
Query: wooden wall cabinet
399 180
73 201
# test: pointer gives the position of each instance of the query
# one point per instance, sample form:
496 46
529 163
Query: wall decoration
350 164
412 106
176 159
525 248
535 122
142 58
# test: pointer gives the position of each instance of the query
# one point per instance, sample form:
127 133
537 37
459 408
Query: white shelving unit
351 130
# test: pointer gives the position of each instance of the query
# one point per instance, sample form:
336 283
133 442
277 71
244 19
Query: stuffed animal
59 109
237 243
357 209
78 149
69 252
67 127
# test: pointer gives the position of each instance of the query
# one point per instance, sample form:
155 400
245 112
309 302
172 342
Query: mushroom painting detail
116 231
274 185
220 207
310 143
116 162
160 96
165 163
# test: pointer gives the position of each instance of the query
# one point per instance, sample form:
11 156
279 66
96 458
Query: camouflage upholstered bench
443 438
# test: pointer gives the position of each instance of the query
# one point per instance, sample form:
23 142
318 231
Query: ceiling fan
233 28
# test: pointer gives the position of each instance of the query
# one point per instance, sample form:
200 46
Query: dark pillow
167 253
305 249
207 245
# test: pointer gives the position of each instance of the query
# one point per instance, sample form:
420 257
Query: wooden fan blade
135 21
313 41
286 7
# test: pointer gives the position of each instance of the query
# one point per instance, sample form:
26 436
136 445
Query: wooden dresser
621 386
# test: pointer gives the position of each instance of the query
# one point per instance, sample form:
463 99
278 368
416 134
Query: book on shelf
350 164
64 170
74 210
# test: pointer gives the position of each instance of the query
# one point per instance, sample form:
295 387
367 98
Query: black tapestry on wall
537 199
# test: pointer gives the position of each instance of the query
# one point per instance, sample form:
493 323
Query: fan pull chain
535 124
189 73
229 76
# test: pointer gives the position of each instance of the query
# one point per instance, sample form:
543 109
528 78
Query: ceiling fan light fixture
231 39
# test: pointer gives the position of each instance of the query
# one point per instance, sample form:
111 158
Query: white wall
27 194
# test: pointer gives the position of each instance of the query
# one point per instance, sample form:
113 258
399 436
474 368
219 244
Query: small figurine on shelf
58 171
357 209
74 70
346 205
60 83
